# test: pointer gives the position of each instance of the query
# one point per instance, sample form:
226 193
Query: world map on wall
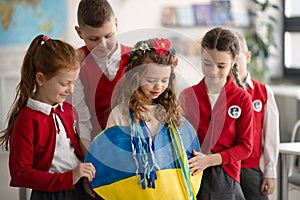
22 20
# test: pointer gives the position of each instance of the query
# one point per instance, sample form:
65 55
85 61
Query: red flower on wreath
161 46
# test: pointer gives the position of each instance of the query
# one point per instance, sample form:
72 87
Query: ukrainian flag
116 170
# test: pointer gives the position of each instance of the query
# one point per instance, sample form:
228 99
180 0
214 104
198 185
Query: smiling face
101 41
156 80
56 89
216 66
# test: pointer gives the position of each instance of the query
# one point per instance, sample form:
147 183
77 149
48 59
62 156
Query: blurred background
271 28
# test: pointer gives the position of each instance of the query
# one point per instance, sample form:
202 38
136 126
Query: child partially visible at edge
41 136
222 114
257 184
102 66
142 151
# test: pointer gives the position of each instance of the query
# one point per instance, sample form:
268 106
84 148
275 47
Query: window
291 38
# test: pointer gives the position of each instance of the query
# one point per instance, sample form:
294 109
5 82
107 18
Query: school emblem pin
234 111
257 105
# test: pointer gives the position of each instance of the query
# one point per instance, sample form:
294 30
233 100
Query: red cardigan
32 145
233 137
98 88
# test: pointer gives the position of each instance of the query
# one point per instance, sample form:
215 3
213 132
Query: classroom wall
133 17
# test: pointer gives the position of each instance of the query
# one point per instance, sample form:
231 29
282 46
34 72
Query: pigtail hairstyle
43 55
223 40
235 75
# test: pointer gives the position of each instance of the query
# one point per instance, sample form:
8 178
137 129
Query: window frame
290 24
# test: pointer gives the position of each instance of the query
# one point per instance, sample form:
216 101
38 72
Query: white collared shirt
64 158
110 67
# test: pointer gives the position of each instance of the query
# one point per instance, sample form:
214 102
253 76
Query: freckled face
156 80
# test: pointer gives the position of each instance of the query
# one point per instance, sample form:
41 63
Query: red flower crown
160 46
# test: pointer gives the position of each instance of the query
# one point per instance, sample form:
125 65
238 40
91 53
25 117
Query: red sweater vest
98 88
259 99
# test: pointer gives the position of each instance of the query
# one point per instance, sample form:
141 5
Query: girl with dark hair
222 114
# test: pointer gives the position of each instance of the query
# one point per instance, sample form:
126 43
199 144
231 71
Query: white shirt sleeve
271 135
84 115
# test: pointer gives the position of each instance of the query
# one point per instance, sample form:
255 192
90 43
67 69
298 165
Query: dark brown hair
94 13
47 56
223 40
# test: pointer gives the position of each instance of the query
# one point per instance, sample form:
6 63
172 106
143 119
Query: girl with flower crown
144 152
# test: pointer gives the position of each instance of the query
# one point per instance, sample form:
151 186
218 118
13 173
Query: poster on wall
22 20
